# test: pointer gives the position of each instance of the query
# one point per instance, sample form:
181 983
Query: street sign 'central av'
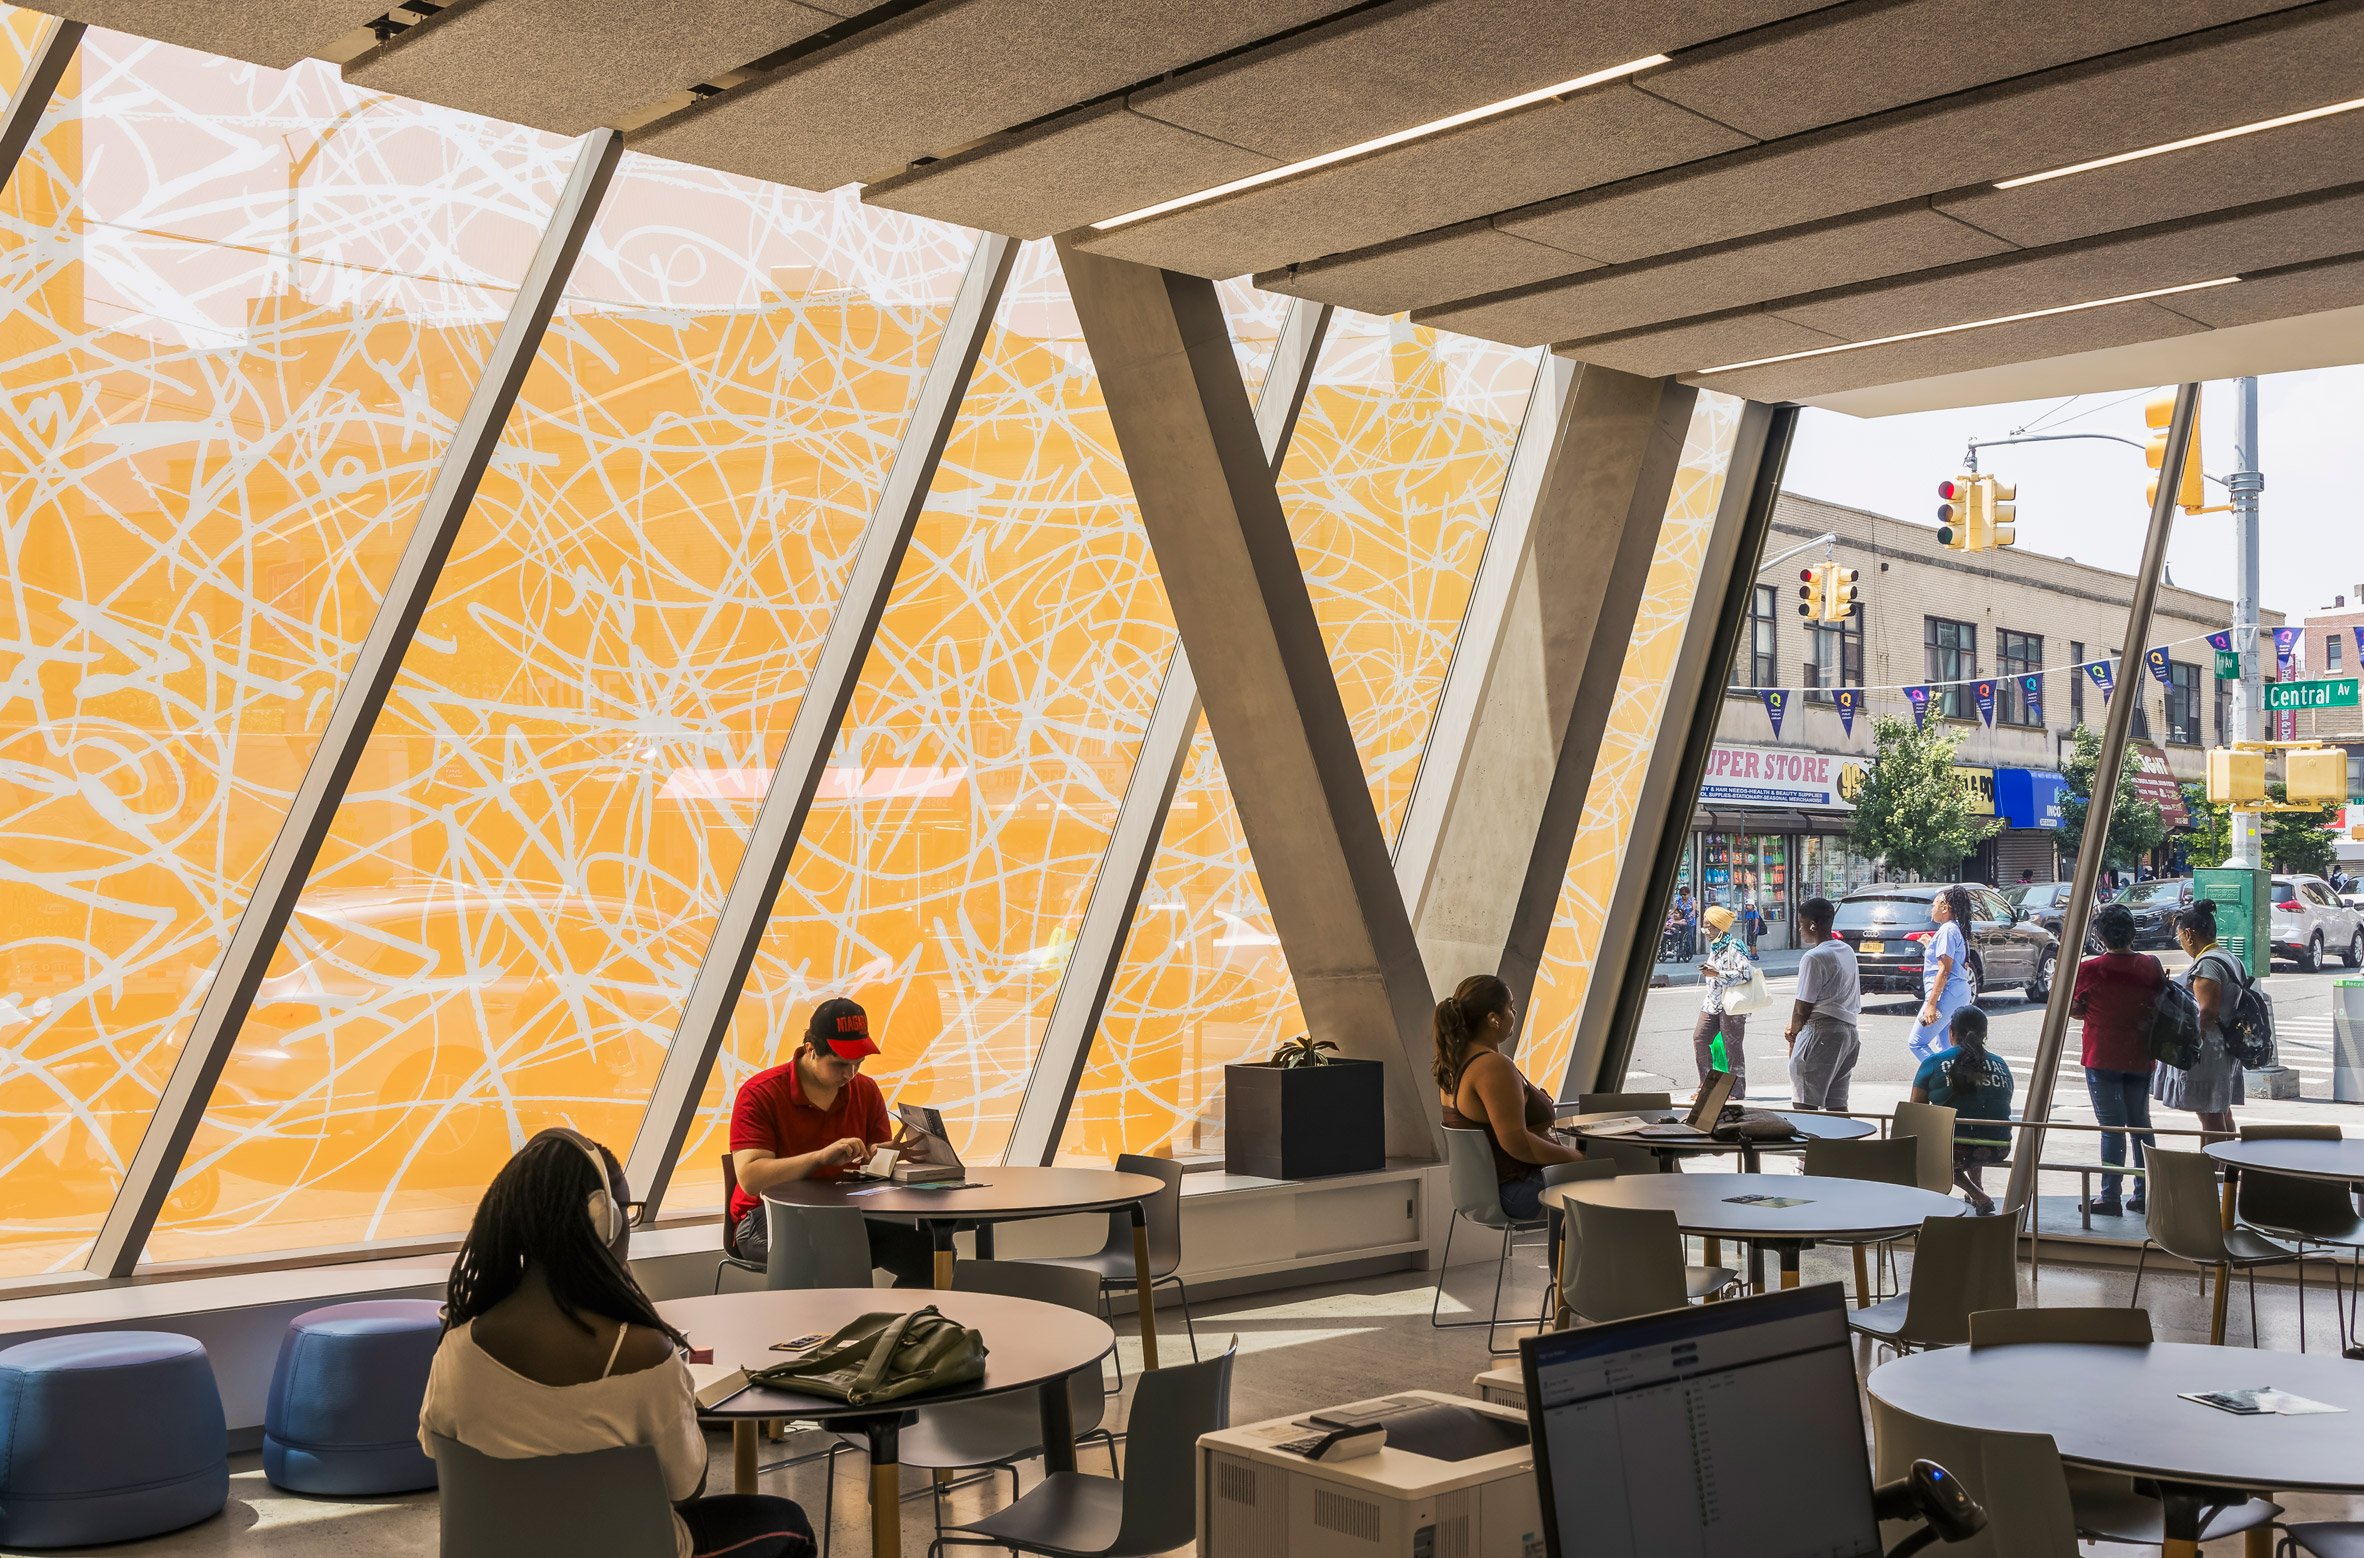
2337 693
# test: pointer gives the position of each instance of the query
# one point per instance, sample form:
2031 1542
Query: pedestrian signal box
2242 914
2316 776
2235 777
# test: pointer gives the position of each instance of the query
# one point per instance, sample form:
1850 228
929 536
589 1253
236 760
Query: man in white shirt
1821 1031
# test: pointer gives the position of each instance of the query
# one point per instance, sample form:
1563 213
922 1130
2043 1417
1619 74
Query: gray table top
2342 1159
2118 1408
1026 1342
1821 1127
1828 1209
997 1194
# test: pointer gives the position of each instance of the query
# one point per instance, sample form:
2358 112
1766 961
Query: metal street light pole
2248 693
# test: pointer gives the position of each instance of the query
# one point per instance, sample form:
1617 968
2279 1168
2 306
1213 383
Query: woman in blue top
1976 1085
1945 978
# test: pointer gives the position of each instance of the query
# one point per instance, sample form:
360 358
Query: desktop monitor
1727 1430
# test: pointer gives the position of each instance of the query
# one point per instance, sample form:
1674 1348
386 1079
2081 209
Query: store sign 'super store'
1773 776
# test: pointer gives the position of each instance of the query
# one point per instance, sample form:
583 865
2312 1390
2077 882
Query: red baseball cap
841 1028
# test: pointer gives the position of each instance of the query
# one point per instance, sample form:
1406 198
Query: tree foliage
2298 841
1911 809
2136 826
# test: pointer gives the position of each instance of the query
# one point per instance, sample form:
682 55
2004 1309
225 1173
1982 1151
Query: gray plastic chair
2017 1478
1630 1157
1962 1265
1152 1507
2306 1212
1112 1263
731 1260
1477 1196
2106 1327
816 1247
1930 1127
2185 1218
1622 1103
1624 1261
1564 1174
1892 1160
598 1504
2324 1538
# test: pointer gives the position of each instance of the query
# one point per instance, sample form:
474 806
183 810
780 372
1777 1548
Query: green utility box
2244 911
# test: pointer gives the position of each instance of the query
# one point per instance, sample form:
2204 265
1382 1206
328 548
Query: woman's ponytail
1458 1018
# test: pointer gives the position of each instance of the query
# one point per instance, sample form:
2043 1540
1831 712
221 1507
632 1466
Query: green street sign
2228 665
2337 693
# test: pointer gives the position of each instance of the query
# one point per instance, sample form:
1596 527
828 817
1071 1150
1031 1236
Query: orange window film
1636 719
519 887
1390 486
243 310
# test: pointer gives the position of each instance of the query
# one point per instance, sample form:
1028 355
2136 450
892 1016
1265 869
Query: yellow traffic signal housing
1953 514
2000 509
2316 776
1839 591
1811 599
2235 778
2190 495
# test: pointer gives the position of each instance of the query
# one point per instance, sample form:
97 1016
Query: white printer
1455 1479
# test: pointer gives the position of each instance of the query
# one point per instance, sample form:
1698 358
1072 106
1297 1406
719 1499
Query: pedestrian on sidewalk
1716 1038
1975 1084
1752 916
1687 915
1822 1020
2115 993
2213 1086
1945 983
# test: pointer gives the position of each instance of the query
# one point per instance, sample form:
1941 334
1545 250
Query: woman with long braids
550 1348
1483 1091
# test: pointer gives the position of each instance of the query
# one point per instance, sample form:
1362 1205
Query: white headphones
607 1218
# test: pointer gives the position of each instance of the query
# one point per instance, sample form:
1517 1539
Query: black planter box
1305 1122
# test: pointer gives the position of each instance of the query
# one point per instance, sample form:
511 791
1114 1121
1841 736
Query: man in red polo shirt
815 1118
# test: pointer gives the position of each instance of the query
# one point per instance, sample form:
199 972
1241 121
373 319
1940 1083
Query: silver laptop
1705 1111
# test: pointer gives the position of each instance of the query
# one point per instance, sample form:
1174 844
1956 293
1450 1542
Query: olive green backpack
884 1357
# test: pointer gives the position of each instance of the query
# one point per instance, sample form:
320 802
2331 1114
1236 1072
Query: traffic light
2235 777
2317 776
1953 515
2190 496
1839 591
1999 510
1810 593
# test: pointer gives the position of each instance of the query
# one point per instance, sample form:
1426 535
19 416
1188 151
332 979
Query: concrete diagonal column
1518 735
1231 574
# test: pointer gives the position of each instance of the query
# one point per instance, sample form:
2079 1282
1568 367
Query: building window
2016 655
2132 680
1953 664
1834 656
2331 654
1758 664
2076 684
2183 702
2224 713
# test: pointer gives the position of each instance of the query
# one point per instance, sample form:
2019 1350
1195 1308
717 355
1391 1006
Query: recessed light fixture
1381 143
2325 112
1975 324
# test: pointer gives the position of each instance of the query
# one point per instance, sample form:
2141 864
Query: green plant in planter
1303 1050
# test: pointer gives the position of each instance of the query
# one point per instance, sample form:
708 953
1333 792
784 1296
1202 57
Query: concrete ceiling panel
573 65
1827 254
2024 342
278 34
939 77
1410 61
2302 289
1701 343
1852 60
2286 232
2272 163
2273 65
1430 268
1105 158
1608 132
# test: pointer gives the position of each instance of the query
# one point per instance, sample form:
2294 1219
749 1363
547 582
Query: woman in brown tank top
1483 1091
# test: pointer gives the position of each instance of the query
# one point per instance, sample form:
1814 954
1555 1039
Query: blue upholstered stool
343 1417
107 1436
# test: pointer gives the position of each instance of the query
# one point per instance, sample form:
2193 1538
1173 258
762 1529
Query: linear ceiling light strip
1381 143
2189 141
1975 324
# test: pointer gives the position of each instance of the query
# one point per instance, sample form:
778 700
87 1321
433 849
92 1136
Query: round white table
1810 1127
2119 1409
1707 1205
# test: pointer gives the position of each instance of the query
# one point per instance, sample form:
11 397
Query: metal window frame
181 1102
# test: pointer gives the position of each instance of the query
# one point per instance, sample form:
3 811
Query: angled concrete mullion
1099 946
796 777
228 997
31 99
1223 548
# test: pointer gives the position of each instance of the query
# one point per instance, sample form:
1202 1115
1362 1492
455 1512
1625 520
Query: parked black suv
2154 906
1887 925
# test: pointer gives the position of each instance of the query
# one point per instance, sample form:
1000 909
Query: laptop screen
1724 1431
1708 1107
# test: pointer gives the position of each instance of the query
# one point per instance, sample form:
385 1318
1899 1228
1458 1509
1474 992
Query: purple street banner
1845 698
2099 671
2222 642
2156 659
1919 698
2285 640
1776 705
2360 643
1984 690
2031 692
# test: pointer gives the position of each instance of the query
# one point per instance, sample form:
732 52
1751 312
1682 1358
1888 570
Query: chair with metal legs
2185 1218
1892 1160
731 1258
1112 1263
1477 1196
2306 1212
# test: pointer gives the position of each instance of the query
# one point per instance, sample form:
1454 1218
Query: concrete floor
1299 1349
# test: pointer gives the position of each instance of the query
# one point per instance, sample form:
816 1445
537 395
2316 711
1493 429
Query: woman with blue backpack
2211 1086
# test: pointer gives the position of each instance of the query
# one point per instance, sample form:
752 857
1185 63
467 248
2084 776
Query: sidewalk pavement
1775 962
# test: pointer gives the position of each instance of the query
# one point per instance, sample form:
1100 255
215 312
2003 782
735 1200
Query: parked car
1887 924
2309 920
2045 903
2154 906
